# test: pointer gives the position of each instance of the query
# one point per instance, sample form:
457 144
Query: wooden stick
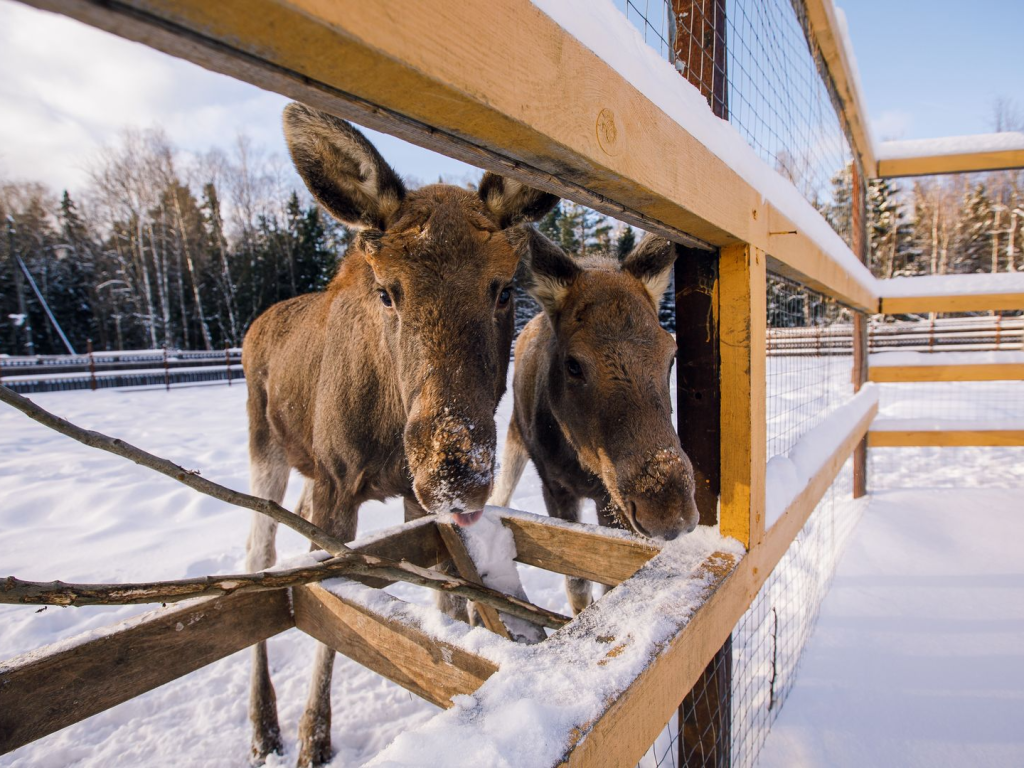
467 570
349 562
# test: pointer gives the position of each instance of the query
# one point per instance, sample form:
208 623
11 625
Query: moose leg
339 519
606 516
563 504
513 462
268 480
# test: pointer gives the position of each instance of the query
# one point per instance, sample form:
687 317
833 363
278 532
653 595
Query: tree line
163 249
158 250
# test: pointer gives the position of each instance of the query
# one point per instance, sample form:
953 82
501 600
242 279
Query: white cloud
66 89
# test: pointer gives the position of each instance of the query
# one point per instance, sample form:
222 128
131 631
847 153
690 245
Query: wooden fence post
860 326
92 366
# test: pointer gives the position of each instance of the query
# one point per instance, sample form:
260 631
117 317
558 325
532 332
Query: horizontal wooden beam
503 103
973 372
824 27
965 162
46 690
576 549
915 438
985 302
390 644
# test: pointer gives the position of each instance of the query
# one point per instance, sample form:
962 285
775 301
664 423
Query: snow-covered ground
73 513
918 655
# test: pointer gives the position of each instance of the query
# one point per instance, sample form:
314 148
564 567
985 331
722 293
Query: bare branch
345 563
16 591
189 477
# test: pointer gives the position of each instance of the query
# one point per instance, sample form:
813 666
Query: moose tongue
466 519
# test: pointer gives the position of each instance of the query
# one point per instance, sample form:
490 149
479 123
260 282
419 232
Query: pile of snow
899 358
982 283
1008 141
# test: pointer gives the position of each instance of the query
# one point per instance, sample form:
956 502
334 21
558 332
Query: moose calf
592 407
386 383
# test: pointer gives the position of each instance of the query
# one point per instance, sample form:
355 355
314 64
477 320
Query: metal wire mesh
770 82
810 360
763 654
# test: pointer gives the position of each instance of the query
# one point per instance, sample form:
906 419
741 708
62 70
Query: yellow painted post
743 319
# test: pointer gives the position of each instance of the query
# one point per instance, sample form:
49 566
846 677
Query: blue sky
929 68
933 68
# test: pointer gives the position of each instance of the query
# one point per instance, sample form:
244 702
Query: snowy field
73 513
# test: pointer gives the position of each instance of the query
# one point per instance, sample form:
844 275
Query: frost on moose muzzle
451 458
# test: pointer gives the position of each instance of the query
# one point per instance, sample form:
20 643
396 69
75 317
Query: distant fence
959 334
130 368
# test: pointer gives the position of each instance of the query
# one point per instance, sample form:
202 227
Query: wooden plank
892 438
698 376
453 540
49 689
419 542
971 372
821 18
587 551
743 334
987 302
967 162
860 324
391 646
503 103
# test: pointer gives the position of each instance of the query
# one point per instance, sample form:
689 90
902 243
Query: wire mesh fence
761 659
757 66
810 360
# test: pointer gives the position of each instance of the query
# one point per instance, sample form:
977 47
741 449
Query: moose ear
511 202
550 271
651 262
342 170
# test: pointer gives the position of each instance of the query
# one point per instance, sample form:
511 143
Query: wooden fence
499 84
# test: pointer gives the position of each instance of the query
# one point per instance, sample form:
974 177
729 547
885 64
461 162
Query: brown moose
385 384
592 407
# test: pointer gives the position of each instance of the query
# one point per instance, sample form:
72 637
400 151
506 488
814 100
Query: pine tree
625 242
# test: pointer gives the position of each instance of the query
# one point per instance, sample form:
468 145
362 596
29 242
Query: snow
952 145
602 28
843 31
901 358
918 655
945 425
951 285
788 474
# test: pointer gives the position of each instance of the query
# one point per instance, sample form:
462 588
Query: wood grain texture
985 302
577 550
891 438
743 334
967 162
456 546
502 103
698 374
45 691
971 372
390 646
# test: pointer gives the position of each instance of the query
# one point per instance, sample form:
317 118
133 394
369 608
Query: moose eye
504 297
385 297
572 365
